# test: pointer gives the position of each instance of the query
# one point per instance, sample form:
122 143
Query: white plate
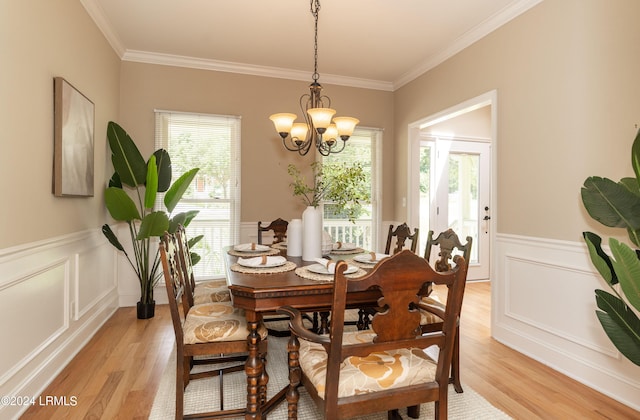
344 247
247 248
321 269
366 258
255 262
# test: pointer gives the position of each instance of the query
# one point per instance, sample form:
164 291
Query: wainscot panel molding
543 305
54 294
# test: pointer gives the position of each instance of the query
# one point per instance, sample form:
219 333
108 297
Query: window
364 147
211 143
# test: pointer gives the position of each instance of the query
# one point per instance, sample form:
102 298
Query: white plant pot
294 238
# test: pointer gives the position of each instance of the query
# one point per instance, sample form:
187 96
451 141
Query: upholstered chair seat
379 371
218 321
211 291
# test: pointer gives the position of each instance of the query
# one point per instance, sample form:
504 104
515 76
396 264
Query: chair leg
180 385
292 396
414 411
455 364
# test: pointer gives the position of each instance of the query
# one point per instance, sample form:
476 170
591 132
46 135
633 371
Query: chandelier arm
303 149
314 99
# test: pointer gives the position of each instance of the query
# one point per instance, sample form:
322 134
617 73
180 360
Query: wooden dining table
260 294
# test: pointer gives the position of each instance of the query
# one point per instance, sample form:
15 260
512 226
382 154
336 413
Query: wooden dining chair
401 234
279 228
204 330
206 291
449 246
384 368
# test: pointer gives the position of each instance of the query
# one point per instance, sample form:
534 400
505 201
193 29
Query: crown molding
485 28
97 14
510 12
249 69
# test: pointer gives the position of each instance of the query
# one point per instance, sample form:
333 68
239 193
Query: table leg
324 323
254 368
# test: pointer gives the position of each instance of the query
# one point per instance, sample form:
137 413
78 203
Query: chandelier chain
315 8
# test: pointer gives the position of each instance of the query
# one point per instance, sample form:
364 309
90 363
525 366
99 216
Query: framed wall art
73 159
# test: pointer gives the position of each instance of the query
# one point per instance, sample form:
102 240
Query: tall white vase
311 233
294 238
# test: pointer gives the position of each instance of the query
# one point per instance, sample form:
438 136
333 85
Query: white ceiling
367 43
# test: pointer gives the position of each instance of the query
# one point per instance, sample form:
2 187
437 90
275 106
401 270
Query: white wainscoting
544 306
54 295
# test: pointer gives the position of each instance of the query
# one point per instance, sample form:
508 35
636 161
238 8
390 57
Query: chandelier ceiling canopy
320 127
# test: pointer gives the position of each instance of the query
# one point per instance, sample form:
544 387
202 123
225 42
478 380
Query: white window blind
364 147
211 143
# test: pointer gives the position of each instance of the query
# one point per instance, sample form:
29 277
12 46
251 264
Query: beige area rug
202 395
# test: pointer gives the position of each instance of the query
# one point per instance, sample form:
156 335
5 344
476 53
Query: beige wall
38 41
266 194
567 81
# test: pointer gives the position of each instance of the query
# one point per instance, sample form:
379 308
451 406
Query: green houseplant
617 204
144 179
345 186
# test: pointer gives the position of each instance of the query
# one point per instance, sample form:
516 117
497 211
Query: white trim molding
543 305
54 295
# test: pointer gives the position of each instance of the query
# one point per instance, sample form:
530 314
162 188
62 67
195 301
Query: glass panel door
454 193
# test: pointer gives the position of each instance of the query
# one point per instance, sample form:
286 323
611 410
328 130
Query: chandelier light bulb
283 122
321 118
345 126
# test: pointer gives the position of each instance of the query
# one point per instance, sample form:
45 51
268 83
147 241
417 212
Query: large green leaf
174 194
599 258
115 181
611 203
163 161
621 325
183 219
152 183
635 156
126 157
153 224
113 239
193 241
121 207
627 267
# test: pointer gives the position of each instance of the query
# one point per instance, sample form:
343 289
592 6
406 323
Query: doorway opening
451 177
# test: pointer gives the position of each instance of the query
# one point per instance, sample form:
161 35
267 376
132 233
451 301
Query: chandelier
316 109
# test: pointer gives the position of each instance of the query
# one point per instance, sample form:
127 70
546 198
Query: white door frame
413 212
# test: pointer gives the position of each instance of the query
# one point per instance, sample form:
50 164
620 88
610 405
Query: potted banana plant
617 204
143 180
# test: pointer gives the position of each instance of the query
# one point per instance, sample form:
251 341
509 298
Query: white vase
294 238
311 233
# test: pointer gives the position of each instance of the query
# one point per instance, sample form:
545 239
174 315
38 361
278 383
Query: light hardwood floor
117 374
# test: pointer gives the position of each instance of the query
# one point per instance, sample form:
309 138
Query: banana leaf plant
617 204
143 180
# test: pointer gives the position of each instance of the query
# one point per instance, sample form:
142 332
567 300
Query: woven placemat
347 251
280 245
288 266
306 274
253 254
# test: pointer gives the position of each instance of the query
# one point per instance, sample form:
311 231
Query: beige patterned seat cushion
217 321
376 372
211 291
428 317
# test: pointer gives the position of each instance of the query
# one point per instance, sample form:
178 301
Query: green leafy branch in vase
345 186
